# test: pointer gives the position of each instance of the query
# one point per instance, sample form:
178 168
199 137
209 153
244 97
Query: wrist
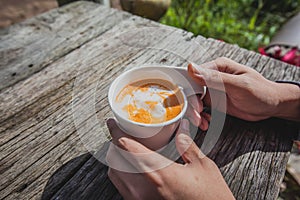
288 101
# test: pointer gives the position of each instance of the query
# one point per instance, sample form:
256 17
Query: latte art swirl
150 101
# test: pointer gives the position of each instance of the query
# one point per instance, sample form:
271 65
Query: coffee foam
145 101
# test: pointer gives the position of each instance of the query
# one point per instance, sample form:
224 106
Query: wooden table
55 62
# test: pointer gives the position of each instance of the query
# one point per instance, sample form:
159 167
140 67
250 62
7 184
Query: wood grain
28 47
52 114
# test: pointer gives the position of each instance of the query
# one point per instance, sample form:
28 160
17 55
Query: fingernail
199 76
191 67
194 67
201 154
184 139
122 141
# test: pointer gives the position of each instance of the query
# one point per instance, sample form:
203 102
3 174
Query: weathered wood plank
19 167
260 145
249 159
38 135
28 47
98 188
64 174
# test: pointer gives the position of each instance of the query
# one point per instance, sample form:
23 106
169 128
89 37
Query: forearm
288 101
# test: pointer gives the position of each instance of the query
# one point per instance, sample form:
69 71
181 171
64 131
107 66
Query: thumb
137 155
186 147
212 78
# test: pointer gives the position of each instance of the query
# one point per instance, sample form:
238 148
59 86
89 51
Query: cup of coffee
148 104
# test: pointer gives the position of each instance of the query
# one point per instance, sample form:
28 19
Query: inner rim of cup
112 95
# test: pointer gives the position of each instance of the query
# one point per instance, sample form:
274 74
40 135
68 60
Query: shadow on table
240 137
86 178
83 178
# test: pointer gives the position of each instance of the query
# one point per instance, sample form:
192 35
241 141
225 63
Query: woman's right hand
249 95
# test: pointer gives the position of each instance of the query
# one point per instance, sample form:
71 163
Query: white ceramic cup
154 136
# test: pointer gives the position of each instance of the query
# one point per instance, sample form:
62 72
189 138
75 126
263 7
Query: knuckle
245 83
158 181
225 62
213 77
221 60
208 163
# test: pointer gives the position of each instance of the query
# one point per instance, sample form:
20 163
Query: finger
229 66
116 161
225 65
118 157
204 124
119 183
205 119
188 150
115 132
196 119
210 78
194 116
206 100
127 172
196 103
208 65
181 146
141 157
134 185
206 116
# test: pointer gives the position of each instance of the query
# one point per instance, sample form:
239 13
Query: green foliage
248 23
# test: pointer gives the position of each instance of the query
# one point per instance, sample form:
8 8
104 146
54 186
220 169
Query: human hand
249 95
195 113
161 178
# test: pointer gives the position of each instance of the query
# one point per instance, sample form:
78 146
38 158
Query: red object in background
285 45
284 53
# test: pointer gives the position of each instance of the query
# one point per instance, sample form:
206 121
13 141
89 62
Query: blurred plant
248 23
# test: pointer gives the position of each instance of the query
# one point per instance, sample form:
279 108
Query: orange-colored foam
138 115
142 115
172 112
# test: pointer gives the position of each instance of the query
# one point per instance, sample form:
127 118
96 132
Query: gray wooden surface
50 66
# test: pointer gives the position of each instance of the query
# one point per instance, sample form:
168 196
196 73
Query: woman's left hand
161 178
